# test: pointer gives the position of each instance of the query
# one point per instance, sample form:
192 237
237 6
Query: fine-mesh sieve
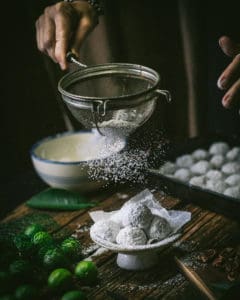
113 97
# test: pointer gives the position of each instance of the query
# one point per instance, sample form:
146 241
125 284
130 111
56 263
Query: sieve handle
71 57
165 93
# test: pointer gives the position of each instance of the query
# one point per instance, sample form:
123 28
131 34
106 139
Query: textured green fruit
26 292
54 258
87 272
32 229
23 244
42 238
20 269
74 295
71 247
60 279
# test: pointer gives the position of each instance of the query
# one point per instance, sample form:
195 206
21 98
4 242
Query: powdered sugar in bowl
63 160
138 230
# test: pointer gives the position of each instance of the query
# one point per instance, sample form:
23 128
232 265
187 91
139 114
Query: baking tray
211 200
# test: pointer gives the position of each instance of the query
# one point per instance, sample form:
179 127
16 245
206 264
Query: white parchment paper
177 219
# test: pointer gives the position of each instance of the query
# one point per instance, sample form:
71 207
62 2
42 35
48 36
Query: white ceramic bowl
62 160
136 258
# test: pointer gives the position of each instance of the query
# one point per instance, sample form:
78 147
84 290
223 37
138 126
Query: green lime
87 272
20 267
42 238
54 258
32 229
23 244
72 248
42 251
60 279
74 295
25 292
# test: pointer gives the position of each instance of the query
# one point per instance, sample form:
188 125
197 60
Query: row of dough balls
217 169
132 225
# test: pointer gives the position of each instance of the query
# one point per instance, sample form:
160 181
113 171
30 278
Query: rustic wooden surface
164 281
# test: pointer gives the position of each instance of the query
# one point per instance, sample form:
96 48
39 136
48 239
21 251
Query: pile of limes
35 266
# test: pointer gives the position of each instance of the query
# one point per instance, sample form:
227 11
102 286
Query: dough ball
184 161
233 192
130 236
200 154
168 168
106 230
214 175
231 168
233 180
219 148
217 161
198 181
136 215
159 229
233 154
216 185
182 174
200 168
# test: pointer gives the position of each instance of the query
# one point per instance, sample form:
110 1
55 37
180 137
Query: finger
40 33
37 33
230 74
229 47
49 37
232 96
84 28
63 35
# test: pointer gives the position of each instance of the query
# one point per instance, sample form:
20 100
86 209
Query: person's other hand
230 78
64 26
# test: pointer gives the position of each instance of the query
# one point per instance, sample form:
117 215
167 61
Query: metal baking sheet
216 202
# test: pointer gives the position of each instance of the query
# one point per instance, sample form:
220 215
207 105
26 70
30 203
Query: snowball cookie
159 229
218 148
167 168
184 161
233 192
106 230
233 180
201 167
182 174
214 175
200 154
136 215
117 218
217 161
233 154
130 236
216 185
231 168
198 181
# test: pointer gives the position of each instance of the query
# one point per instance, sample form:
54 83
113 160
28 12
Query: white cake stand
135 257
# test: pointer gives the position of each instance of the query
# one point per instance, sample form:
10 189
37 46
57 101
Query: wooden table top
164 281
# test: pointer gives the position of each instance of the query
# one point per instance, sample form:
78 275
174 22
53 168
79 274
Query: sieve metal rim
108 68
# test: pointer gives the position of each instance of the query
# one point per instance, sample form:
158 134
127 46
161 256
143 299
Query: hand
230 78
64 26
